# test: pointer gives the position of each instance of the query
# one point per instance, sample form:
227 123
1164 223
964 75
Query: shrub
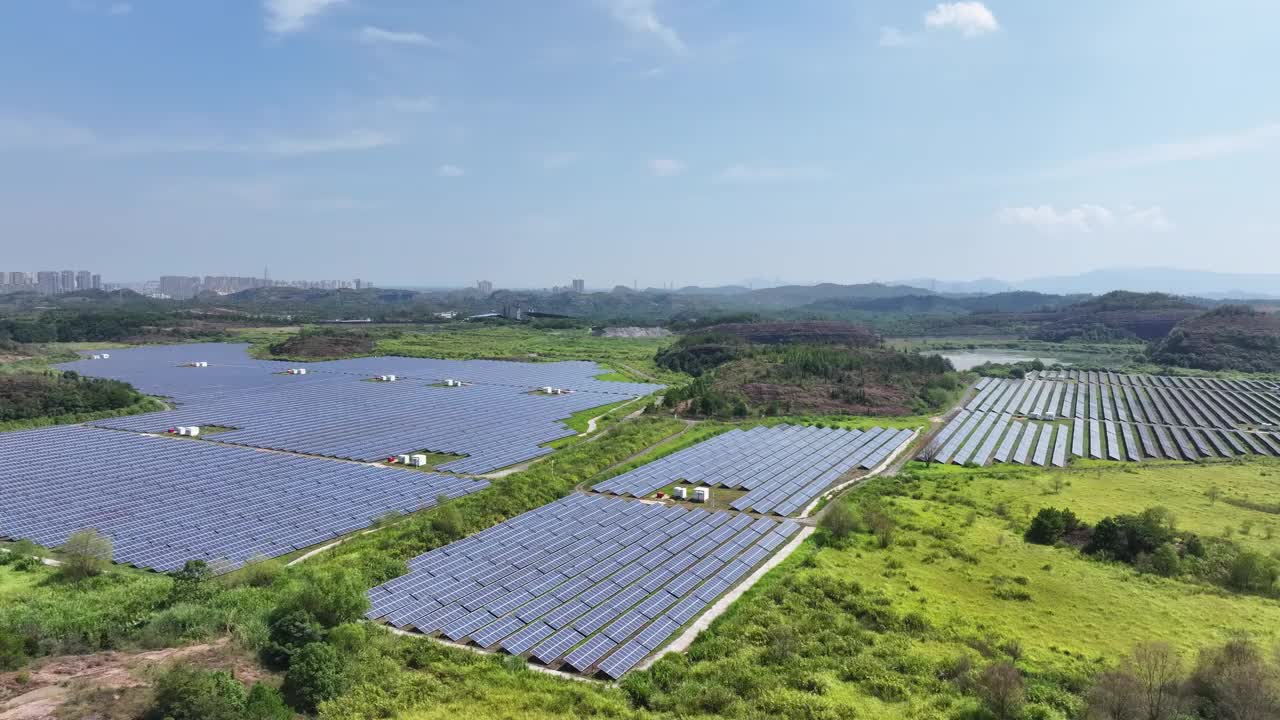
1253 572
1050 525
1165 561
265 703
314 676
1000 687
87 552
290 631
13 651
189 582
331 597
185 693
838 521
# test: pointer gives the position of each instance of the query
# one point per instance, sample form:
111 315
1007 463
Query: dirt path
688 425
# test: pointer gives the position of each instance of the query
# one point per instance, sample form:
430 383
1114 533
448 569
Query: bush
331 597
1165 560
13 651
1253 572
87 552
838 521
290 631
1000 687
266 703
185 693
1050 525
314 676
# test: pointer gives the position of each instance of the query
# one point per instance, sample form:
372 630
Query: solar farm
588 584
782 469
1050 417
164 501
493 415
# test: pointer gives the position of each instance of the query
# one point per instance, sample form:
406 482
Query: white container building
702 495
680 493
418 460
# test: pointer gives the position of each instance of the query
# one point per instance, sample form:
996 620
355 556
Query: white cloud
665 167
970 18
893 37
641 18
289 16
120 8
741 173
1086 218
450 171
378 36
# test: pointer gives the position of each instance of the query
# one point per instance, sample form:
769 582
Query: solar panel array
1111 416
782 468
164 501
588 583
495 421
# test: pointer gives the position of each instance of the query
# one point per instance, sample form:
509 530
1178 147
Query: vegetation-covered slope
1232 337
1117 315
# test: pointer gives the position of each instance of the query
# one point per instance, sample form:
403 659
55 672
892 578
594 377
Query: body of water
968 359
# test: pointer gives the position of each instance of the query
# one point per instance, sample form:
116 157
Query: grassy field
625 358
1095 489
14 583
961 543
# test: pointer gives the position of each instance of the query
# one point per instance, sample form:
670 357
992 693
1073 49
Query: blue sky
650 141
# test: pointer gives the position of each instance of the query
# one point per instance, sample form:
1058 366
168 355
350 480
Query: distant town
168 287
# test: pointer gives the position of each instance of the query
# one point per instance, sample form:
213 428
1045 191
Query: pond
968 359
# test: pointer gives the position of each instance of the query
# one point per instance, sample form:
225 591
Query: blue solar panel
164 501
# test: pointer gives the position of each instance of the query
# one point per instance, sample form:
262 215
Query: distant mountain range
1199 283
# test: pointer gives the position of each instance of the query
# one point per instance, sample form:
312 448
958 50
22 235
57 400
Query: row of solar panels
161 370
587 583
1113 378
783 468
331 412
164 501
1173 406
981 438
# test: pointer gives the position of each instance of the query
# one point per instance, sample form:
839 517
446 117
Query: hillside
1232 337
802 368
1118 315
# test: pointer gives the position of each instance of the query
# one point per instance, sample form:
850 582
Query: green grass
622 357
956 547
14 583
1096 489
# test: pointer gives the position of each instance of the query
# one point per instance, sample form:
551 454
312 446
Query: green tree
87 552
290 631
185 693
315 675
1050 525
189 583
1165 560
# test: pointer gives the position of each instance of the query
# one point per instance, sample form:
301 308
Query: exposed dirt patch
57 686
325 344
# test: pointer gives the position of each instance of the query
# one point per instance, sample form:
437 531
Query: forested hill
1232 337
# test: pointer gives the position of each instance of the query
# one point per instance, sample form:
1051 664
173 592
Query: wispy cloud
100 7
51 133
1086 218
379 36
450 171
120 8
666 167
640 17
741 173
290 16
970 18
1205 147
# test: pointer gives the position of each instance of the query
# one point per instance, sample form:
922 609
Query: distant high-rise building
96 281
67 281
84 280
484 286
179 287
47 282
578 286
